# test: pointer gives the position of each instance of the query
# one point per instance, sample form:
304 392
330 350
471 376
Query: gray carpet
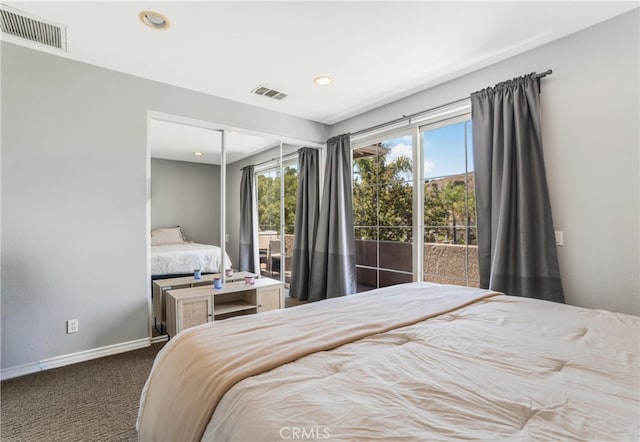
89 401
292 302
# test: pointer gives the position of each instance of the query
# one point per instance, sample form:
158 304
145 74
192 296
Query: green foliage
378 184
382 202
445 210
290 197
383 197
269 199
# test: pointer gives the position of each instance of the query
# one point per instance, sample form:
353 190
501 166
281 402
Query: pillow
168 235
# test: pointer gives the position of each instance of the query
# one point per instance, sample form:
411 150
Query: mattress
410 362
171 259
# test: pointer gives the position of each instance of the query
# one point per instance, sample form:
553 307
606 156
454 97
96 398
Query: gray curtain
248 223
307 208
333 268
516 245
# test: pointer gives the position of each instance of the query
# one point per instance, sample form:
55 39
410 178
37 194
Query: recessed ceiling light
198 154
323 81
154 19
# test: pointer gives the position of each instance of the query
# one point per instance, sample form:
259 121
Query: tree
383 197
290 197
382 201
269 199
383 184
445 206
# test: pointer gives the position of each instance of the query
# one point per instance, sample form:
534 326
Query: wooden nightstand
188 307
161 286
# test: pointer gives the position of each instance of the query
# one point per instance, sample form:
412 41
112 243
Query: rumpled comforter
170 259
411 362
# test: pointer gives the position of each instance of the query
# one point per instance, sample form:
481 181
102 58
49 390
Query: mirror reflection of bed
173 255
185 201
185 197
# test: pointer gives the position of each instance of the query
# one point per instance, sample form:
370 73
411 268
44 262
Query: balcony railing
443 263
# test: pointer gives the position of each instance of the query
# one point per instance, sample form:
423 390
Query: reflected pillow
168 235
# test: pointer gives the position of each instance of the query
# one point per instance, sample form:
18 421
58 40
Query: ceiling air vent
20 24
268 92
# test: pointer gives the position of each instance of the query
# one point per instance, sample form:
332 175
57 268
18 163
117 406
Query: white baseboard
73 358
156 339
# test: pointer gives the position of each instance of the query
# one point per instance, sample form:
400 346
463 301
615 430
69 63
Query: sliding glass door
268 196
276 219
383 212
450 238
414 205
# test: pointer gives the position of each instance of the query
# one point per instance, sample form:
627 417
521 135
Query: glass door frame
378 137
439 117
185 121
458 117
278 164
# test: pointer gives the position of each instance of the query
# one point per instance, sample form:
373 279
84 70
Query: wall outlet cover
72 326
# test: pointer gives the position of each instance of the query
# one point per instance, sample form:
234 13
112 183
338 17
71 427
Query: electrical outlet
559 238
226 237
72 326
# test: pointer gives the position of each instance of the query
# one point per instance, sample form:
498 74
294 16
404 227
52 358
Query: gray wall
74 217
591 142
186 195
74 229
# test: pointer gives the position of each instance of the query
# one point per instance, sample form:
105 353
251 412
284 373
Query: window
269 201
383 212
271 227
404 235
450 233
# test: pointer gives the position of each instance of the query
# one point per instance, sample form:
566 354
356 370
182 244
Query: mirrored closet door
186 208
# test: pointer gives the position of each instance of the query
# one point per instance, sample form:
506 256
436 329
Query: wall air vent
268 92
20 24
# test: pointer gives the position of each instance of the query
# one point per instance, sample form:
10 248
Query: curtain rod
409 117
276 160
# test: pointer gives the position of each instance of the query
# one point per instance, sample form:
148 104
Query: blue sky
443 150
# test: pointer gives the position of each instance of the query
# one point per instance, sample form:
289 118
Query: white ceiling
174 141
376 52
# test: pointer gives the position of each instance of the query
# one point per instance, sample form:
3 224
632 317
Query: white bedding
509 368
409 362
170 259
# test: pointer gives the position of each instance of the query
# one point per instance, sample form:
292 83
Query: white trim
440 114
274 164
418 205
461 107
223 204
378 136
173 118
161 338
449 121
282 222
147 223
73 358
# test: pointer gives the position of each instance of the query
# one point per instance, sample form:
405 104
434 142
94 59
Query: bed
184 258
172 254
415 361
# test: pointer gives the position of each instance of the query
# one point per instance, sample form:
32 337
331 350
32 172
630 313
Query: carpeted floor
292 302
89 401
